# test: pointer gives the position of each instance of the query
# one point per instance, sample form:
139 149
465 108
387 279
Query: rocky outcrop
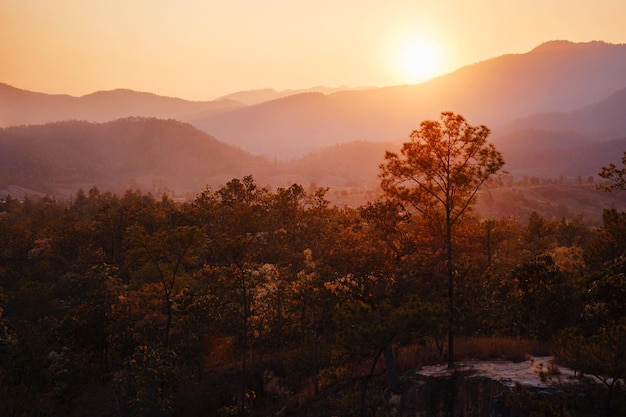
456 395
475 389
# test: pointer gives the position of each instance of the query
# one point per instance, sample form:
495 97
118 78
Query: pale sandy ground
507 373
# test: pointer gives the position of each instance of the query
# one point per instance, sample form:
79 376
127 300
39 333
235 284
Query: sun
419 59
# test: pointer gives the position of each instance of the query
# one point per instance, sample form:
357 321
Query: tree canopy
615 176
253 301
437 175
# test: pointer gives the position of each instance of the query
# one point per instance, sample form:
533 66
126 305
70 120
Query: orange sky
201 49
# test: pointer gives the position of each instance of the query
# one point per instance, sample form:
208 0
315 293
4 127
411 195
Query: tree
601 356
167 252
541 285
438 175
233 223
615 176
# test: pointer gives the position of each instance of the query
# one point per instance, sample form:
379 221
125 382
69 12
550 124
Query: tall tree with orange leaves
437 175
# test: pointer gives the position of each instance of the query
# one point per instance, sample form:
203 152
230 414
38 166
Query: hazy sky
201 49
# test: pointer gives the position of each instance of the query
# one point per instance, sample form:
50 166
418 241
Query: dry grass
477 348
505 348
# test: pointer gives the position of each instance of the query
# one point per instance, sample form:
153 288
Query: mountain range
558 110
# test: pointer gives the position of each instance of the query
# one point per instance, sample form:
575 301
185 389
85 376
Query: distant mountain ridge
602 120
167 156
554 77
566 143
59 158
252 97
22 107
556 111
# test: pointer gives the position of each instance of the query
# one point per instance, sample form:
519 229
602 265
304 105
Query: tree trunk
168 324
393 377
316 382
365 383
450 273
244 336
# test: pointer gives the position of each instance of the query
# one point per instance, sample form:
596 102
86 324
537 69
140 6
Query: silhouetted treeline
248 301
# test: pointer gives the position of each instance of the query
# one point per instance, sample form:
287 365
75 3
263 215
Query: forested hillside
148 268
21 107
556 76
247 301
154 155
582 83
167 156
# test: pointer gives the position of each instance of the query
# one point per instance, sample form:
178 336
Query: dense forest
252 301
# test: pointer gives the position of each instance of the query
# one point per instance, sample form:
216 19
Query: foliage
438 176
615 176
441 168
252 301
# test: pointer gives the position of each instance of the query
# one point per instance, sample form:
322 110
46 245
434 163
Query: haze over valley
312 208
552 115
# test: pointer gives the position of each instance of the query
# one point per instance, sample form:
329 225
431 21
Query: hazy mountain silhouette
556 76
162 155
603 120
353 164
564 143
150 154
557 153
251 97
22 107
174 157
556 111
287 127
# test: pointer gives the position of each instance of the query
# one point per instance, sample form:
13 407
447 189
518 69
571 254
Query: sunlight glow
419 59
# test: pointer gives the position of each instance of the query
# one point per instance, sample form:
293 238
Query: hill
557 115
287 127
602 120
151 154
167 156
252 97
552 199
350 165
161 156
569 144
22 107
554 77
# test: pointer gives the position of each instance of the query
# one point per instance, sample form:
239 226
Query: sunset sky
202 49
